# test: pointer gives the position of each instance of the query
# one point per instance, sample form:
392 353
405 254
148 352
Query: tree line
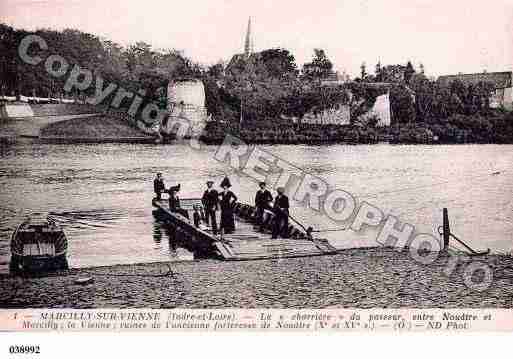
264 89
136 66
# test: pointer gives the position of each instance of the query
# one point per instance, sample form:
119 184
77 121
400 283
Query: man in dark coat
210 202
158 186
281 212
263 199
227 200
174 201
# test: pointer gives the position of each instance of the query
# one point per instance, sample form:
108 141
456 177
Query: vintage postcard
256 166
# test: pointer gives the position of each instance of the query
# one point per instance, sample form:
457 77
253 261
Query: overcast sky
446 36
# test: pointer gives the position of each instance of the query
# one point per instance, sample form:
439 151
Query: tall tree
393 73
378 72
216 71
409 71
363 71
278 63
320 67
402 104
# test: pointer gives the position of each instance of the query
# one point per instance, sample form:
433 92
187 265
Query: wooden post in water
446 228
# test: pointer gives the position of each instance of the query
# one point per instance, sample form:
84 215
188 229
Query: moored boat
38 244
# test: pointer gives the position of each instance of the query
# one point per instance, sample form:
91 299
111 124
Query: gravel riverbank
361 278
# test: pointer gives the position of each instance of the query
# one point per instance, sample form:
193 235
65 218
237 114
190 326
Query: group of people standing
225 200
280 209
212 201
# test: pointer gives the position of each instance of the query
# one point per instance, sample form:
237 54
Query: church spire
248 43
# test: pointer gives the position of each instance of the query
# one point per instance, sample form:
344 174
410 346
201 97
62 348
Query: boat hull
38 245
36 264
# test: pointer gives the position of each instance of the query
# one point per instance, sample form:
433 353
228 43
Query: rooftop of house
499 79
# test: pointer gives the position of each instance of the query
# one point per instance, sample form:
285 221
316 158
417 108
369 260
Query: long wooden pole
446 228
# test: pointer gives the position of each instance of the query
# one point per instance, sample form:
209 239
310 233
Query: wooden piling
446 228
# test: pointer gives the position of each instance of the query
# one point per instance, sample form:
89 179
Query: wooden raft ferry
246 243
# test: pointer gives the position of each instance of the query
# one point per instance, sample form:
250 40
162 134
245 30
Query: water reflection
161 228
101 193
165 231
157 230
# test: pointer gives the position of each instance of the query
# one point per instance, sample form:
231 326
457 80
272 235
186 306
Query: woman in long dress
227 200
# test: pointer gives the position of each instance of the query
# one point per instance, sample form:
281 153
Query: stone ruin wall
186 106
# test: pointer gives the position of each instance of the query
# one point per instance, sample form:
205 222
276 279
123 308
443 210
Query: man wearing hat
210 202
263 199
174 201
158 186
281 211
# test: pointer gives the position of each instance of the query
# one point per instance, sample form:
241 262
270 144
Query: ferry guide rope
376 194
340 229
311 230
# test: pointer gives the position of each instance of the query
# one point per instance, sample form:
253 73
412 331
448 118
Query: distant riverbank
355 278
455 130
113 127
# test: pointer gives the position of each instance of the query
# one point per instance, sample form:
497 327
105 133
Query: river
101 193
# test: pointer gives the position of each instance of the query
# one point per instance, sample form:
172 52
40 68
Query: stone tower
248 43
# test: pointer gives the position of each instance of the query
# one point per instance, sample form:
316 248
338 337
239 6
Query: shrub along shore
454 130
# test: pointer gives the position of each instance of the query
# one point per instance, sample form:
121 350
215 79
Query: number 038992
24 349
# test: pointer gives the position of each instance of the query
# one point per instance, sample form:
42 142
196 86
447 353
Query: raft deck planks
246 243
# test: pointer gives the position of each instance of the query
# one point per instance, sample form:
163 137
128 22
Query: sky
446 36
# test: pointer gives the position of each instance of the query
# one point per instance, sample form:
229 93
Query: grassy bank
95 129
456 129
362 278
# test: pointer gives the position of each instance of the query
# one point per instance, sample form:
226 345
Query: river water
101 193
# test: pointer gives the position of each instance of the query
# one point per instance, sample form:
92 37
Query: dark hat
159 173
226 182
210 182
262 184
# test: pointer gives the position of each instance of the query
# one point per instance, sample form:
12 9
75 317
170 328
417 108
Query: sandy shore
362 278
